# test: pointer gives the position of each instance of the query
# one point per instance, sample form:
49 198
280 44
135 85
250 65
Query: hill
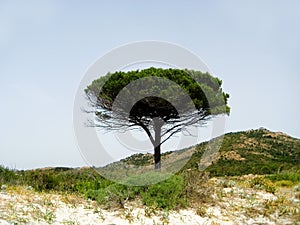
257 151
246 152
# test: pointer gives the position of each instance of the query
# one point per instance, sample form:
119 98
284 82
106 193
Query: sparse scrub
197 187
281 206
261 183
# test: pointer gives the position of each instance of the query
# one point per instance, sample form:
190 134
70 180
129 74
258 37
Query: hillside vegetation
274 157
247 152
255 151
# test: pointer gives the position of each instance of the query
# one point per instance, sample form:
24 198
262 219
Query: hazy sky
46 47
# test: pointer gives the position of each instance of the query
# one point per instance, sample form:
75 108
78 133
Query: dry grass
216 200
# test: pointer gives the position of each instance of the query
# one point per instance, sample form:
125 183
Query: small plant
48 216
48 202
128 215
3 188
226 183
282 207
165 217
201 211
297 188
259 182
70 222
149 211
284 183
214 223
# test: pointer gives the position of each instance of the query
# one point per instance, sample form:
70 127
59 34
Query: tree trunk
157 154
157 158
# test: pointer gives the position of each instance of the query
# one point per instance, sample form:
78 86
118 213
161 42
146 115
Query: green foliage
56 179
7 176
109 86
292 176
147 178
42 180
96 195
114 195
265 152
168 194
138 159
284 183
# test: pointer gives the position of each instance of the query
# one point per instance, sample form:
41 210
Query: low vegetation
273 157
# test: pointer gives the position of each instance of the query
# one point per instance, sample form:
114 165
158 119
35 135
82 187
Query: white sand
22 206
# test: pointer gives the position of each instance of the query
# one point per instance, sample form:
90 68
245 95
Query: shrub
168 194
120 194
84 186
42 180
197 188
259 182
97 195
113 195
7 176
286 175
284 183
147 178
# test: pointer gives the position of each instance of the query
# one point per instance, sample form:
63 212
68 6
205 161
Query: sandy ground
18 205
47 209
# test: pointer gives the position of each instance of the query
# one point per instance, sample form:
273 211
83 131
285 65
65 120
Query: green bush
7 176
114 194
42 180
84 186
168 194
285 175
97 195
147 178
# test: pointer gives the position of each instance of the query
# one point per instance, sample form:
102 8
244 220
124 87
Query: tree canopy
160 101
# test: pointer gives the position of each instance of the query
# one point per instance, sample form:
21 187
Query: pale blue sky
46 47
